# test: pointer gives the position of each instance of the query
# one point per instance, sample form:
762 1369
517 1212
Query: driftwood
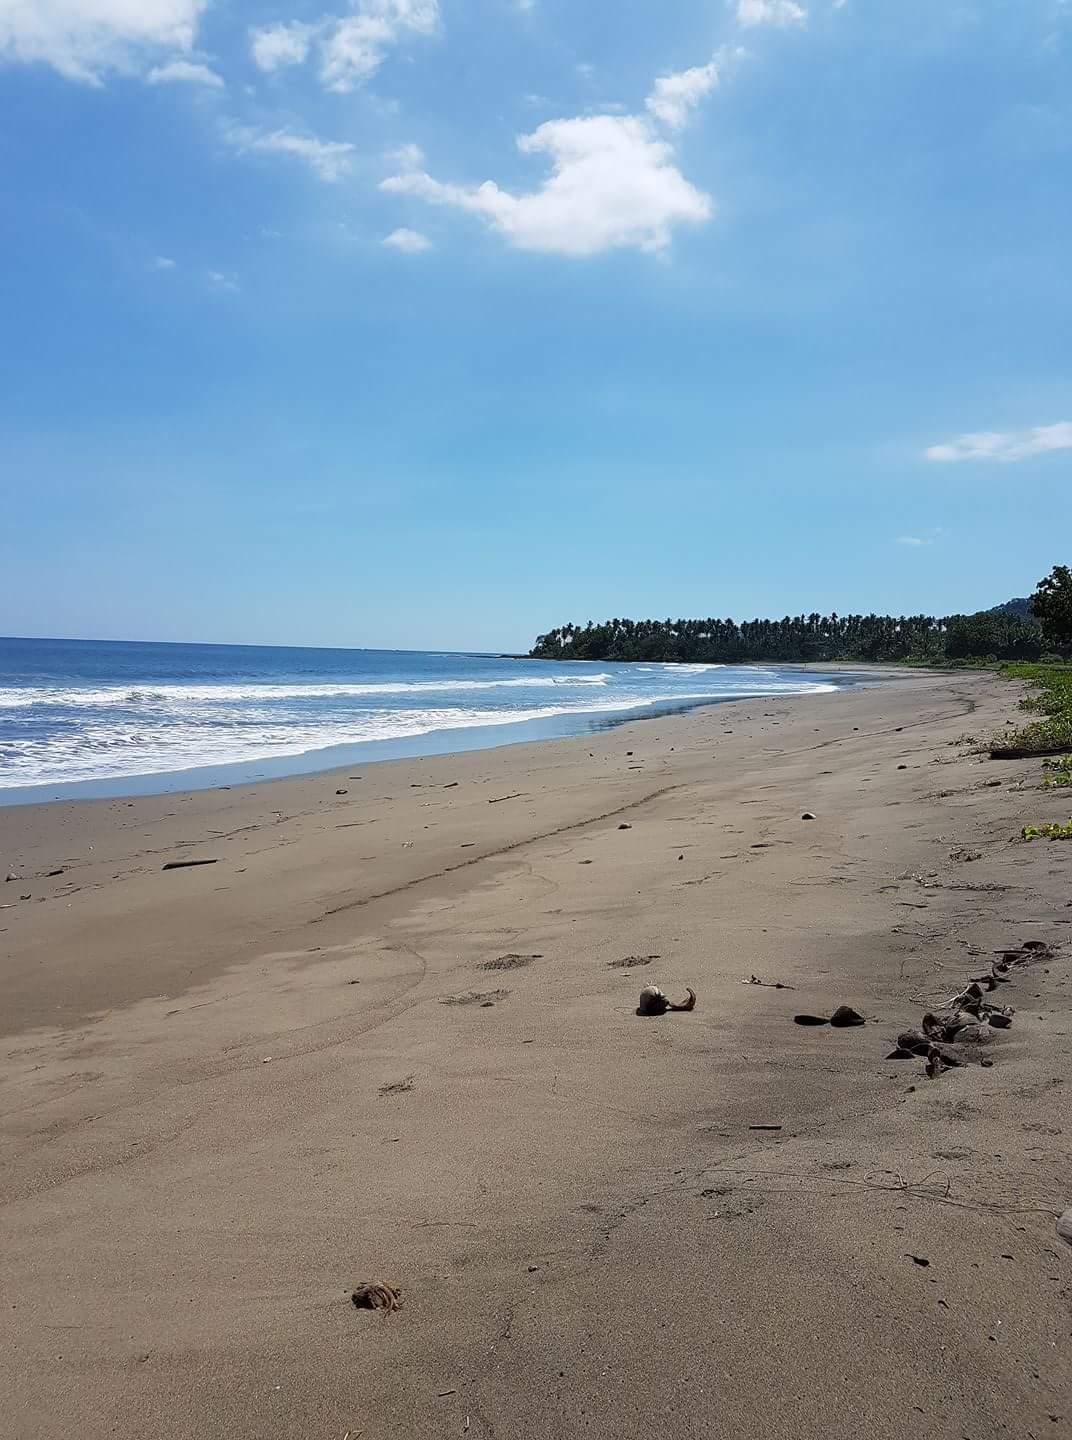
1018 752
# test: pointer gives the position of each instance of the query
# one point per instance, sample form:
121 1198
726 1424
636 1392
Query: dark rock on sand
845 1015
914 1041
974 1035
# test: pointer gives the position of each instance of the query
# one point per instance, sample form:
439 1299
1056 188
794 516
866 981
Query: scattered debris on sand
377 1295
475 997
510 962
953 1033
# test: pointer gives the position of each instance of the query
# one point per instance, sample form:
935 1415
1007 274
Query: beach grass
1051 702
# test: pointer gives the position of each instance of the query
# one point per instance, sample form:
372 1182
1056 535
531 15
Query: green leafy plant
1048 832
1058 772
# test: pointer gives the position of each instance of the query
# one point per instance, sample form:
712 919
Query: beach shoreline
438 739
388 1034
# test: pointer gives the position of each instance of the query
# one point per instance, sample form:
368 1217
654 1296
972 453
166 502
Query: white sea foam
108 750
175 740
55 733
22 697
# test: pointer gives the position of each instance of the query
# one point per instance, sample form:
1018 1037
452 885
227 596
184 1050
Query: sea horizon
92 718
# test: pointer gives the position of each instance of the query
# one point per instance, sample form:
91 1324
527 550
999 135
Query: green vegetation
1052 605
1058 772
1052 700
1019 630
987 637
1048 832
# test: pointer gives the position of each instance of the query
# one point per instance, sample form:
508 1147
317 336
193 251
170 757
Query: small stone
342 792
623 826
807 815
999 1020
846 1015
11 877
973 1035
902 767
1064 1227
914 1040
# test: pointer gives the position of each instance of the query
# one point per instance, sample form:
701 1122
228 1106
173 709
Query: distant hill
1020 608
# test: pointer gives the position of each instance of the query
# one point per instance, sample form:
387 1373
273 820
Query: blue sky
441 322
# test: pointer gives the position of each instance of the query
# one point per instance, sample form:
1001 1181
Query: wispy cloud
275 46
677 94
1004 445
916 541
351 48
184 72
221 282
410 242
87 39
779 13
330 160
406 157
162 262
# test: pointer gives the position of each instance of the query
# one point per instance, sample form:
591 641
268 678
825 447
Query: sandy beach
389 1035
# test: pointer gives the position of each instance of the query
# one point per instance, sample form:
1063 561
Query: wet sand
389 1035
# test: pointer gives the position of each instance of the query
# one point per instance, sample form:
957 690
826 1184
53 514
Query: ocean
82 717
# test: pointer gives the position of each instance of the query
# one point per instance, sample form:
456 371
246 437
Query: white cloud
274 46
912 540
329 159
355 48
86 39
780 13
613 185
220 281
407 157
163 262
351 48
676 94
183 72
410 242
1005 444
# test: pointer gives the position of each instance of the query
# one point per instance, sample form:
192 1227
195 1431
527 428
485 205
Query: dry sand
232 1093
